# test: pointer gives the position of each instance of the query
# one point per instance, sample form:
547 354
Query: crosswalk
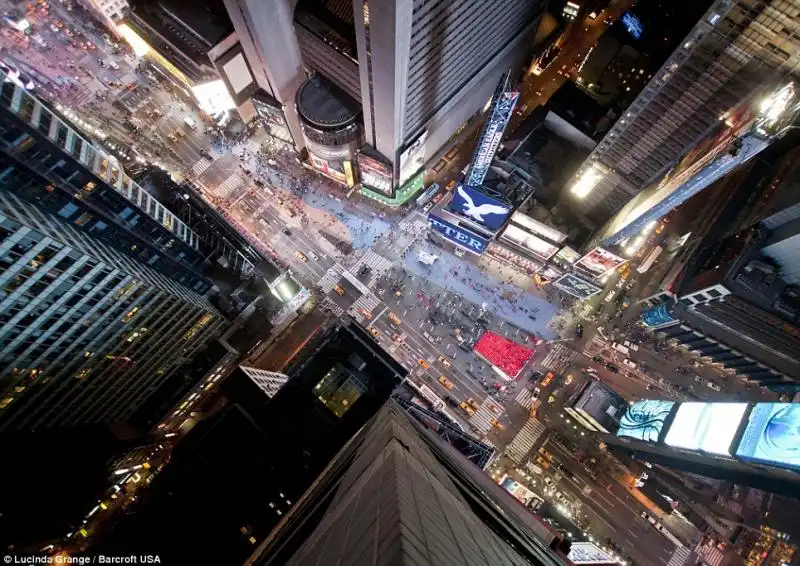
482 418
227 187
680 556
413 225
377 264
364 304
524 440
525 398
559 358
330 279
201 166
710 554
328 306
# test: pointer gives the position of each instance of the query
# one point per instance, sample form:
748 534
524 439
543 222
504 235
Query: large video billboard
708 427
589 553
375 175
644 420
460 236
413 158
479 207
658 316
772 435
576 286
522 493
731 146
599 261
489 141
537 246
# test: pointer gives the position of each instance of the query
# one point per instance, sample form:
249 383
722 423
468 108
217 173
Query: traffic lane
629 529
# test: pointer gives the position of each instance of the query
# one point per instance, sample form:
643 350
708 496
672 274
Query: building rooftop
324 105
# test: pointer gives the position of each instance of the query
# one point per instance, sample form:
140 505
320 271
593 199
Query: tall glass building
102 292
737 48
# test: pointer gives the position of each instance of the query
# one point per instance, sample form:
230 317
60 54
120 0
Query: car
427 207
630 345
312 255
612 368
423 364
545 453
548 379
497 424
569 379
713 386
172 138
464 346
629 363
394 318
339 290
374 331
263 222
398 336
542 463
610 296
451 401
286 232
471 402
300 256
451 185
446 383
536 393
467 409
598 359
445 362
699 379
113 65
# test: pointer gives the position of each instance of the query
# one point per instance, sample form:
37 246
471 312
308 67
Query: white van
620 348
191 124
113 65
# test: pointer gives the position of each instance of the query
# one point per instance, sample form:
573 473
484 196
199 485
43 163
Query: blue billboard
479 207
644 420
503 105
658 316
633 25
460 236
772 435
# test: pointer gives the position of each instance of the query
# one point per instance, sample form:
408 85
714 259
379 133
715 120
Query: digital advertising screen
375 175
413 158
658 316
599 261
533 244
644 420
460 236
522 493
772 435
576 286
708 427
479 207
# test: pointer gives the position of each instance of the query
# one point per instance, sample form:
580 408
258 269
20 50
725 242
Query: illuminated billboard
506 255
375 175
332 169
568 255
535 227
708 427
489 141
772 435
730 146
541 248
644 420
658 316
213 97
271 113
413 158
479 207
519 491
633 25
459 235
589 553
599 261
576 286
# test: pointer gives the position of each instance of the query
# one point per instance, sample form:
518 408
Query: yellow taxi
339 290
467 409
301 256
423 364
542 463
569 379
445 362
548 379
374 331
471 402
497 424
451 185
394 318
446 383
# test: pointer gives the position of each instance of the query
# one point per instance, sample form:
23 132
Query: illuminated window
6 402
83 373
130 315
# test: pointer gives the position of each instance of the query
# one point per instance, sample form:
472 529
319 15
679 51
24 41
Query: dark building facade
237 473
398 494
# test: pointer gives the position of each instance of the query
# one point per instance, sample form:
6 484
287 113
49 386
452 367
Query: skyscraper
736 48
419 69
103 289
